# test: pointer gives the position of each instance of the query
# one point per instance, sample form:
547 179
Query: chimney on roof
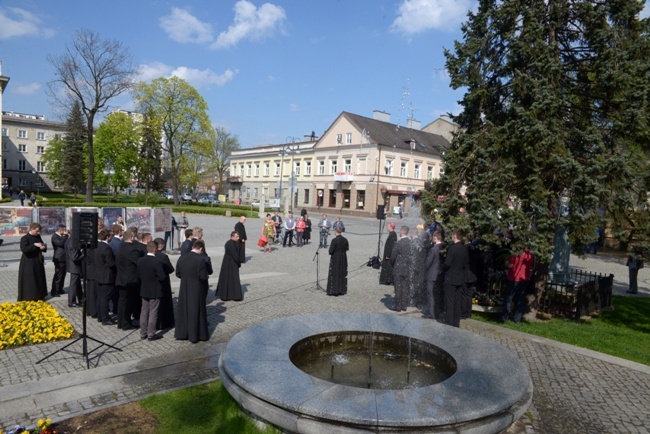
413 124
381 115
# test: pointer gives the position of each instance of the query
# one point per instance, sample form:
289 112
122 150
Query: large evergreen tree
555 110
72 176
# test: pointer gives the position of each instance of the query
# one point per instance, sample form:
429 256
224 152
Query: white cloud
181 26
27 89
251 23
196 77
417 16
149 71
203 77
16 22
293 107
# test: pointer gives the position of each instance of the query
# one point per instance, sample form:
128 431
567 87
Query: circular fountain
359 372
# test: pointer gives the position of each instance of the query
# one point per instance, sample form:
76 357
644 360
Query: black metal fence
582 294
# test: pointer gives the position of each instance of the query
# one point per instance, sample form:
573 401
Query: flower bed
31 322
44 426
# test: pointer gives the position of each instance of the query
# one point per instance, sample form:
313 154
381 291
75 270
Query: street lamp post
109 171
290 148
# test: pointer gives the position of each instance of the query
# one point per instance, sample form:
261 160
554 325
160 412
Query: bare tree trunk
91 159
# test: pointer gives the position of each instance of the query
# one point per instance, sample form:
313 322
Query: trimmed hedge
192 209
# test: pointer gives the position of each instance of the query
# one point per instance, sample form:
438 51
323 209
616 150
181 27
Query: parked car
209 200
187 197
169 195
256 202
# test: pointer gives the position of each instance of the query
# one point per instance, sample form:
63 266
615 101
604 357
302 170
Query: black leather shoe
55 294
155 337
107 323
128 327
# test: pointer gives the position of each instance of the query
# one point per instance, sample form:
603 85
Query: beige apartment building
358 163
24 140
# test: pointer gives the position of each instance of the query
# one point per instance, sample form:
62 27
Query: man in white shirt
289 226
325 224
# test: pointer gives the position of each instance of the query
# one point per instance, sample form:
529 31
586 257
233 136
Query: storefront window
361 199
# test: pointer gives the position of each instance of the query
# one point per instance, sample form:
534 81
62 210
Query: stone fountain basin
489 391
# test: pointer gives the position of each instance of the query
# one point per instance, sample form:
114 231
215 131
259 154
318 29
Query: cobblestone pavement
576 390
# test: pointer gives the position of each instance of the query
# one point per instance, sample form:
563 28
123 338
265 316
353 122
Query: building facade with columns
357 164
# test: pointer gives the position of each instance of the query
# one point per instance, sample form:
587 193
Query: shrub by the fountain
485 390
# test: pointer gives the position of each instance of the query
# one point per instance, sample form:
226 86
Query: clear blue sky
267 70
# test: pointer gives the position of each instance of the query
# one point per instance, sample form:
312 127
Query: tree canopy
219 152
92 71
555 110
185 124
117 147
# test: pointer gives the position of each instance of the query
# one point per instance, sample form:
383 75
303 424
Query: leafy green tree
65 156
555 110
185 123
117 146
91 72
218 153
150 164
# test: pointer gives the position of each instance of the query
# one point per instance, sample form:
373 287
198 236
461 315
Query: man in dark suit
105 274
186 247
116 238
127 281
433 267
59 260
455 267
241 230
74 258
152 277
400 259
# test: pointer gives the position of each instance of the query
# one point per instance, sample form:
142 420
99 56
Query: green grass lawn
207 408
623 332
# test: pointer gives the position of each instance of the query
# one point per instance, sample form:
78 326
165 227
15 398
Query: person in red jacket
300 230
520 269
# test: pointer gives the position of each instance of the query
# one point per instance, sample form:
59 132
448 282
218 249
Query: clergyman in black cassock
401 259
229 286
337 278
127 281
191 313
455 266
241 230
386 275
32 284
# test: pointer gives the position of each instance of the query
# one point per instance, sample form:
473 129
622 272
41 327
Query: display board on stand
141 218
109 215
162 219
50 218
15 221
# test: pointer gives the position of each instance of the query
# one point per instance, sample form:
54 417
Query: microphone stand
84 335
317 259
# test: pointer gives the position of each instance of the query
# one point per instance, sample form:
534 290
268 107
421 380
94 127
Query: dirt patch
122 419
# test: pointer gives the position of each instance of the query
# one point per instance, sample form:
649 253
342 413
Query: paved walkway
576 390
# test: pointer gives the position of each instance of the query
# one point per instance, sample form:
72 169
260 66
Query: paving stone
575 391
